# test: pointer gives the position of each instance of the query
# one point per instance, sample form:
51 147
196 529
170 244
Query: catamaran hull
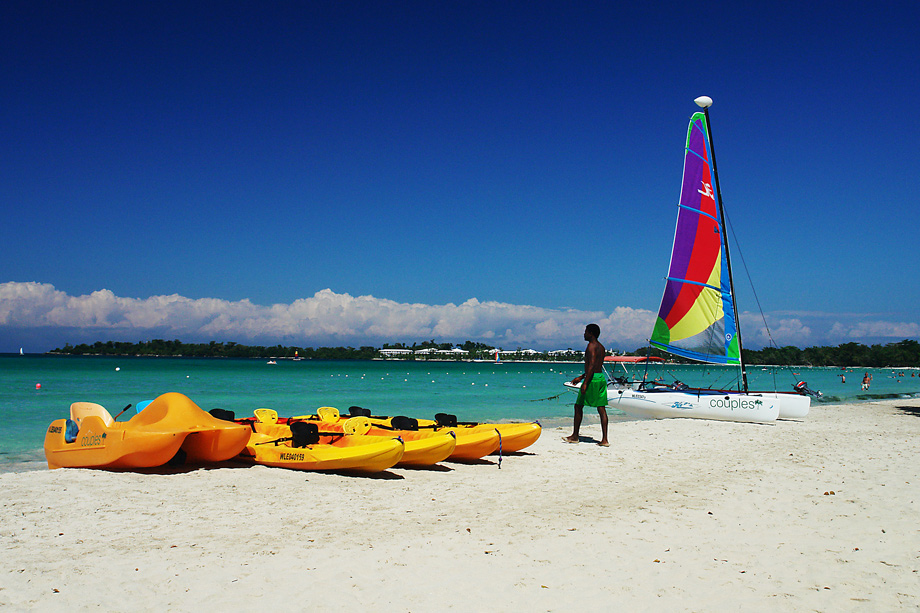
791 406
671 403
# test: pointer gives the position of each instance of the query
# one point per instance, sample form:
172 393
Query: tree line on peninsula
902 353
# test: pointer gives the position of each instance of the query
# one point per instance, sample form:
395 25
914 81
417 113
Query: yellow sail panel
706 310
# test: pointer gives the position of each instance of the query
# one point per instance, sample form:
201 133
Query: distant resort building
430 352
456 352
567 353
524 352
393 353
494 353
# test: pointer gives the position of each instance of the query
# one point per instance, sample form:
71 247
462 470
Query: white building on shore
430 352
395 353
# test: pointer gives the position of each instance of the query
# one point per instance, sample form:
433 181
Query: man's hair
594 330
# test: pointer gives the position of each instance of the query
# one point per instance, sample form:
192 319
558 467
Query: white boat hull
666 403
695 404
791 405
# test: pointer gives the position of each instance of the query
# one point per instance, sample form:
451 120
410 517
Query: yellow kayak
514 436
423 447
300 445
170 426
471 444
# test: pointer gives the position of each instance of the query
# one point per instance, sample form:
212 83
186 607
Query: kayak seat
356 425
304 433
266 416
71 431
359 412
446 419
404 423
328 414
79 410
223 414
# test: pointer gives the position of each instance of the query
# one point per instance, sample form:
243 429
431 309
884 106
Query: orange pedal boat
171 425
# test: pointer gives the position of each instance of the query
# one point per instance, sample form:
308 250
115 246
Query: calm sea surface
474 391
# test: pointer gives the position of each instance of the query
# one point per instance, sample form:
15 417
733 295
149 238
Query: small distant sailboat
20 351
698 318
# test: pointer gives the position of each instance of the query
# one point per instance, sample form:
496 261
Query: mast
705 102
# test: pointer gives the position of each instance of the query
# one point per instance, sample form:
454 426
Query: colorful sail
697 316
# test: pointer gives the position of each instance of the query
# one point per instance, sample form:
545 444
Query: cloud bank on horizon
42 313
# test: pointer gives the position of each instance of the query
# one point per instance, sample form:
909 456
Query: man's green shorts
596 393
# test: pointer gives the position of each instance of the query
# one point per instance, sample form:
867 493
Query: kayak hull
353 453
423 447
471 445
514 436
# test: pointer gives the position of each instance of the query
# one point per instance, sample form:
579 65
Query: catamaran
697 318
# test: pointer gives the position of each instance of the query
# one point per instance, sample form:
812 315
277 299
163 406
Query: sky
358 173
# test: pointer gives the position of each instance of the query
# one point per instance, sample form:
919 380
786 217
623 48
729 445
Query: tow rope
499 449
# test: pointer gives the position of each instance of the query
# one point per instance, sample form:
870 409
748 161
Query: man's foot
570 439
604 444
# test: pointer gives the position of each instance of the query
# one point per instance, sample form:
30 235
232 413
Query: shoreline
681 514
440 360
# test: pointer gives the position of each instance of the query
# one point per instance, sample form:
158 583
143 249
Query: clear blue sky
428 153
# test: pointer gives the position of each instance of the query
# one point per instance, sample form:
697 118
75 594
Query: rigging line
750 281
756 298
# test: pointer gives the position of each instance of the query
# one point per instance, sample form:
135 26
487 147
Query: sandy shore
676 515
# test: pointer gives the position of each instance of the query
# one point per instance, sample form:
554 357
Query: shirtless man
593 385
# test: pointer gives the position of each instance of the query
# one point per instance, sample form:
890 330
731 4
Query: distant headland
904 353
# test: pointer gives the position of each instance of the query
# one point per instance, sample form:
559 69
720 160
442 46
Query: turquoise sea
474 391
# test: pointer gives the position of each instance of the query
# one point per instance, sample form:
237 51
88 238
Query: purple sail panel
686 231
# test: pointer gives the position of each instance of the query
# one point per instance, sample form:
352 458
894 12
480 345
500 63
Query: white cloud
326 317
784 331
39 311
895 330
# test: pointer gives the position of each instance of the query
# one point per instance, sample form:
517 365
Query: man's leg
578 414
602 411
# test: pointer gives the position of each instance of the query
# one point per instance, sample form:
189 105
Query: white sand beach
820 515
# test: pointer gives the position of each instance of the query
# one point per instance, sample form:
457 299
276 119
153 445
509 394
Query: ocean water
474 391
